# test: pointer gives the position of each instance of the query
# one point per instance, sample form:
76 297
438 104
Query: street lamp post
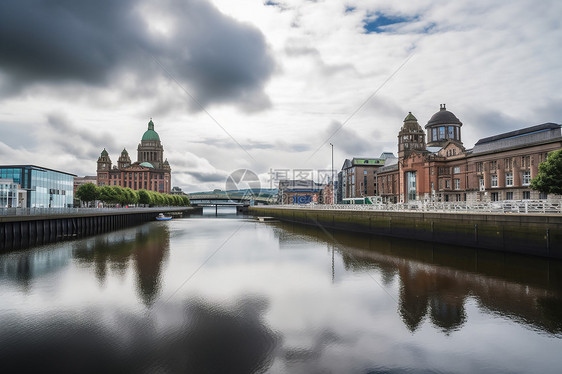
333 181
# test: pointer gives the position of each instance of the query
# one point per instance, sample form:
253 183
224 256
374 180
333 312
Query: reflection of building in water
436 280
149 254
148 246
24 267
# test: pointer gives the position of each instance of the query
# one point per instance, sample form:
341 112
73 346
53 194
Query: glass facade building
8 194
41 187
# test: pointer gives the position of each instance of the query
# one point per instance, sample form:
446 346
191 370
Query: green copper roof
150 134
367 161
124 152
104 153
147 164
410 117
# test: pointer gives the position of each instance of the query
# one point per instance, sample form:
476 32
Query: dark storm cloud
54 41
222 58
484 123
76 140
216 58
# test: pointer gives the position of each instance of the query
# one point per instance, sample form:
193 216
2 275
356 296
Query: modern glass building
40 187
8 194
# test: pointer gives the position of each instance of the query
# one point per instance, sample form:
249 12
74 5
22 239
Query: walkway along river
230 294
533 234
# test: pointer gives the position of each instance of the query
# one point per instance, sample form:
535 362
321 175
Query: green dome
147 165
150 134
104 152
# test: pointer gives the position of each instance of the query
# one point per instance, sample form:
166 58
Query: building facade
358 176
499 167
8 193
296 192
151 171
39 187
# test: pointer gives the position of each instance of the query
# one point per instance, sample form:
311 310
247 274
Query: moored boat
162 217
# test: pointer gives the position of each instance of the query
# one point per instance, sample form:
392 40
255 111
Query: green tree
549 178
144 197
87 192
108 195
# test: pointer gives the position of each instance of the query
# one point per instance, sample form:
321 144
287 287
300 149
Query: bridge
233 198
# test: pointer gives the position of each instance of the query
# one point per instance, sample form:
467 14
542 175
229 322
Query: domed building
443 127
151 171
499 167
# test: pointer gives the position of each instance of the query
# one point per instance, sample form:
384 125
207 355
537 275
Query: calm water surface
228 294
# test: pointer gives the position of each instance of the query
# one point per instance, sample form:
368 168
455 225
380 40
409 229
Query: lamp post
333 181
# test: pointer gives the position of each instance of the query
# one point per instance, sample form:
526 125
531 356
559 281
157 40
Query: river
229 294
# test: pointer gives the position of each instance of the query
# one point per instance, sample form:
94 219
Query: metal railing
505 206
79 211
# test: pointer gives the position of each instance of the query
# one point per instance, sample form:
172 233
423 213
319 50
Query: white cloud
495 64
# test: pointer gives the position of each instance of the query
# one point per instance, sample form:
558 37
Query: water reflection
148 247
437 280
204 338
23 267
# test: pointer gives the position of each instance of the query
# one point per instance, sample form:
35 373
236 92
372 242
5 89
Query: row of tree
125 196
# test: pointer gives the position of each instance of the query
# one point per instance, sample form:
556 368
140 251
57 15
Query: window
481 184
509 195
493 165
447 183
495 196
508 163
456 169
365 172
451 132
526 195
457 184
442 132
494 180
479 167
509 179
542 195
434 132
526 178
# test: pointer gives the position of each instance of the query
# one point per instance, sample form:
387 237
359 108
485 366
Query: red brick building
151 171
499 167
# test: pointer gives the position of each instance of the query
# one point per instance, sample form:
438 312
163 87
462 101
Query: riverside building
150 172
498 167
37 187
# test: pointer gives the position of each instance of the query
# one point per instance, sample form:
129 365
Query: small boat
162 217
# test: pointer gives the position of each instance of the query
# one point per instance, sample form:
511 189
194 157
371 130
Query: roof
367 161
34 167
521 132
104 153
386 155
410 117
150 134
147 165
519 138
443 117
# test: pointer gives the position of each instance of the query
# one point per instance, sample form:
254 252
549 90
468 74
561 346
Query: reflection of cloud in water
206 338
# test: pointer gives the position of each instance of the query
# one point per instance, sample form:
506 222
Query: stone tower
411 137
150 148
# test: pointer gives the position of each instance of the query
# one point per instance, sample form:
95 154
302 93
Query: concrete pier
22 231
533 234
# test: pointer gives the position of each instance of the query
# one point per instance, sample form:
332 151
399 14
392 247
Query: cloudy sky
265 84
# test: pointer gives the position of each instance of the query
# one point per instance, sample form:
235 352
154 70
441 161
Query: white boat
162 217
